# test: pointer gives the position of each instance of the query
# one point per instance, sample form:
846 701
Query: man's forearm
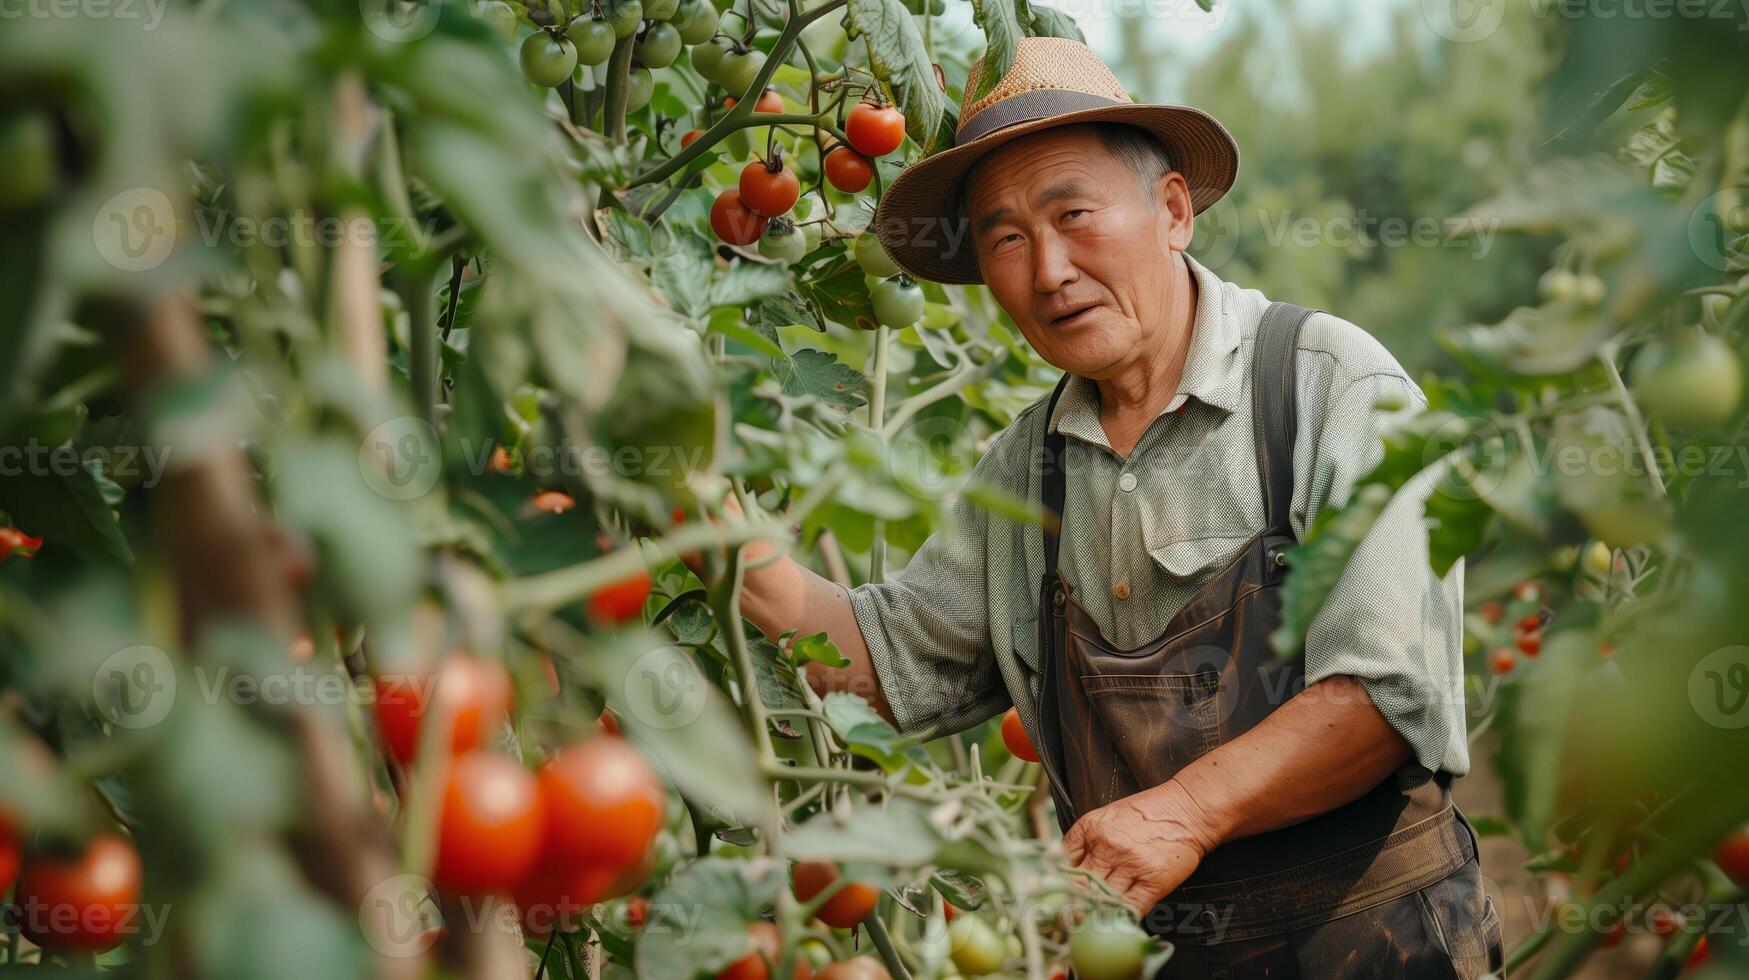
1325 747
786 595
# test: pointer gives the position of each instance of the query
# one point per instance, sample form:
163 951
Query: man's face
1077 247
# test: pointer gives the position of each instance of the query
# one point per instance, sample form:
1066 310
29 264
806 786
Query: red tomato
607 722
501 460
769 101
1614 936
948 911
1605 648
1493 612
1530 644
1014 736
767 192
678 515
686 141
1529 590
637 911
1529 623
1732 856
848 170
604 804
475 693
848 906
1666 922
753 966
10 855
489 835
16 542
553 501
88 902
733 221
1699 955
622 600
1501 660
874 130
558 897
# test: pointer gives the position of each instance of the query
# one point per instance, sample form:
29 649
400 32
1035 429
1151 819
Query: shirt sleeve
927 627
1390 621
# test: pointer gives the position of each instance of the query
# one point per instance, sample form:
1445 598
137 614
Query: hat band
1039 103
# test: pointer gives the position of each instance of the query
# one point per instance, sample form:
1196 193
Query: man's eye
1073 213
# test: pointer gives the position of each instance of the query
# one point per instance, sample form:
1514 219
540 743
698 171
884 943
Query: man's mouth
1073 315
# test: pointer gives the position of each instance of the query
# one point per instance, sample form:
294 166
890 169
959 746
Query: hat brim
927 242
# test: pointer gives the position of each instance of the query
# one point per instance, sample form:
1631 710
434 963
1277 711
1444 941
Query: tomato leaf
817 373
1000 22
1051 22
1318 561
895 834
719 897
818 648
898 58
865 733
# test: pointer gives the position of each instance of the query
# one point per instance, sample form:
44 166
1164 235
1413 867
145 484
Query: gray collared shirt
952 635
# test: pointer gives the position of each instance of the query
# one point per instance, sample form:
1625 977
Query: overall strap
1053 475
1274 415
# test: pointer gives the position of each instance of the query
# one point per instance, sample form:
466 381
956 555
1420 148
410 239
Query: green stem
619 68
421 303
537 594
1635 422
745 101
877 413
883 944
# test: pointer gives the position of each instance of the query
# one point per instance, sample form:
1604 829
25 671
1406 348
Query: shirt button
1127 482
1122 591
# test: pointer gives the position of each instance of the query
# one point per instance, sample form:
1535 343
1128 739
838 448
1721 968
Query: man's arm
784 594
1324 748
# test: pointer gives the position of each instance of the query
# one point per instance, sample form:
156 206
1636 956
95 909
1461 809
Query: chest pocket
1193 561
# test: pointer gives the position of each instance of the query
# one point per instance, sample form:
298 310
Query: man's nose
1052 268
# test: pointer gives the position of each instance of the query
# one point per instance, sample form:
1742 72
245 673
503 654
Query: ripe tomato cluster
1527 630
16 542
86 901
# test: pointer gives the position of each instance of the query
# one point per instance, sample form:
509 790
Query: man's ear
1172 200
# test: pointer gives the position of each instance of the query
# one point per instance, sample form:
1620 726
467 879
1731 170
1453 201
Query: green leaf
817 373
783 310
779 684
961 890
996 500
818 648
65 506
719 897
1051 22
1318 562
1532 342
1000 23
746 282
898 58
682 272
840 292
866 733
896 834
1458 521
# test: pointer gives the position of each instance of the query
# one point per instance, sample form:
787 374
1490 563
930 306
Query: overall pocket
1167 721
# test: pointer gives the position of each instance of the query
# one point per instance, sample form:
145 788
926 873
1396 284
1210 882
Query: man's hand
1142 845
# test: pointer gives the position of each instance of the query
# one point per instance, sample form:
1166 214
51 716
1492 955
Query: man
1274 816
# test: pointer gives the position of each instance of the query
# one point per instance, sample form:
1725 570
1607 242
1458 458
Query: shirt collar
1212 368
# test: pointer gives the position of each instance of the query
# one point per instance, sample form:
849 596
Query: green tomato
659 46
1589 290
663 10
697 21
898 306
542 13
811 235
501 18
740 70
733 23
1558 285
1108 950
707 59
625 18
27 160
547 59
1694 383
873 258
640 85
973 946
738 145
594 39
783 243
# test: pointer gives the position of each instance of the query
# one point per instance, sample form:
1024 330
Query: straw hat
1054 82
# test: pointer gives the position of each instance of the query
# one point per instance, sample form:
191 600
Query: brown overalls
1386 886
